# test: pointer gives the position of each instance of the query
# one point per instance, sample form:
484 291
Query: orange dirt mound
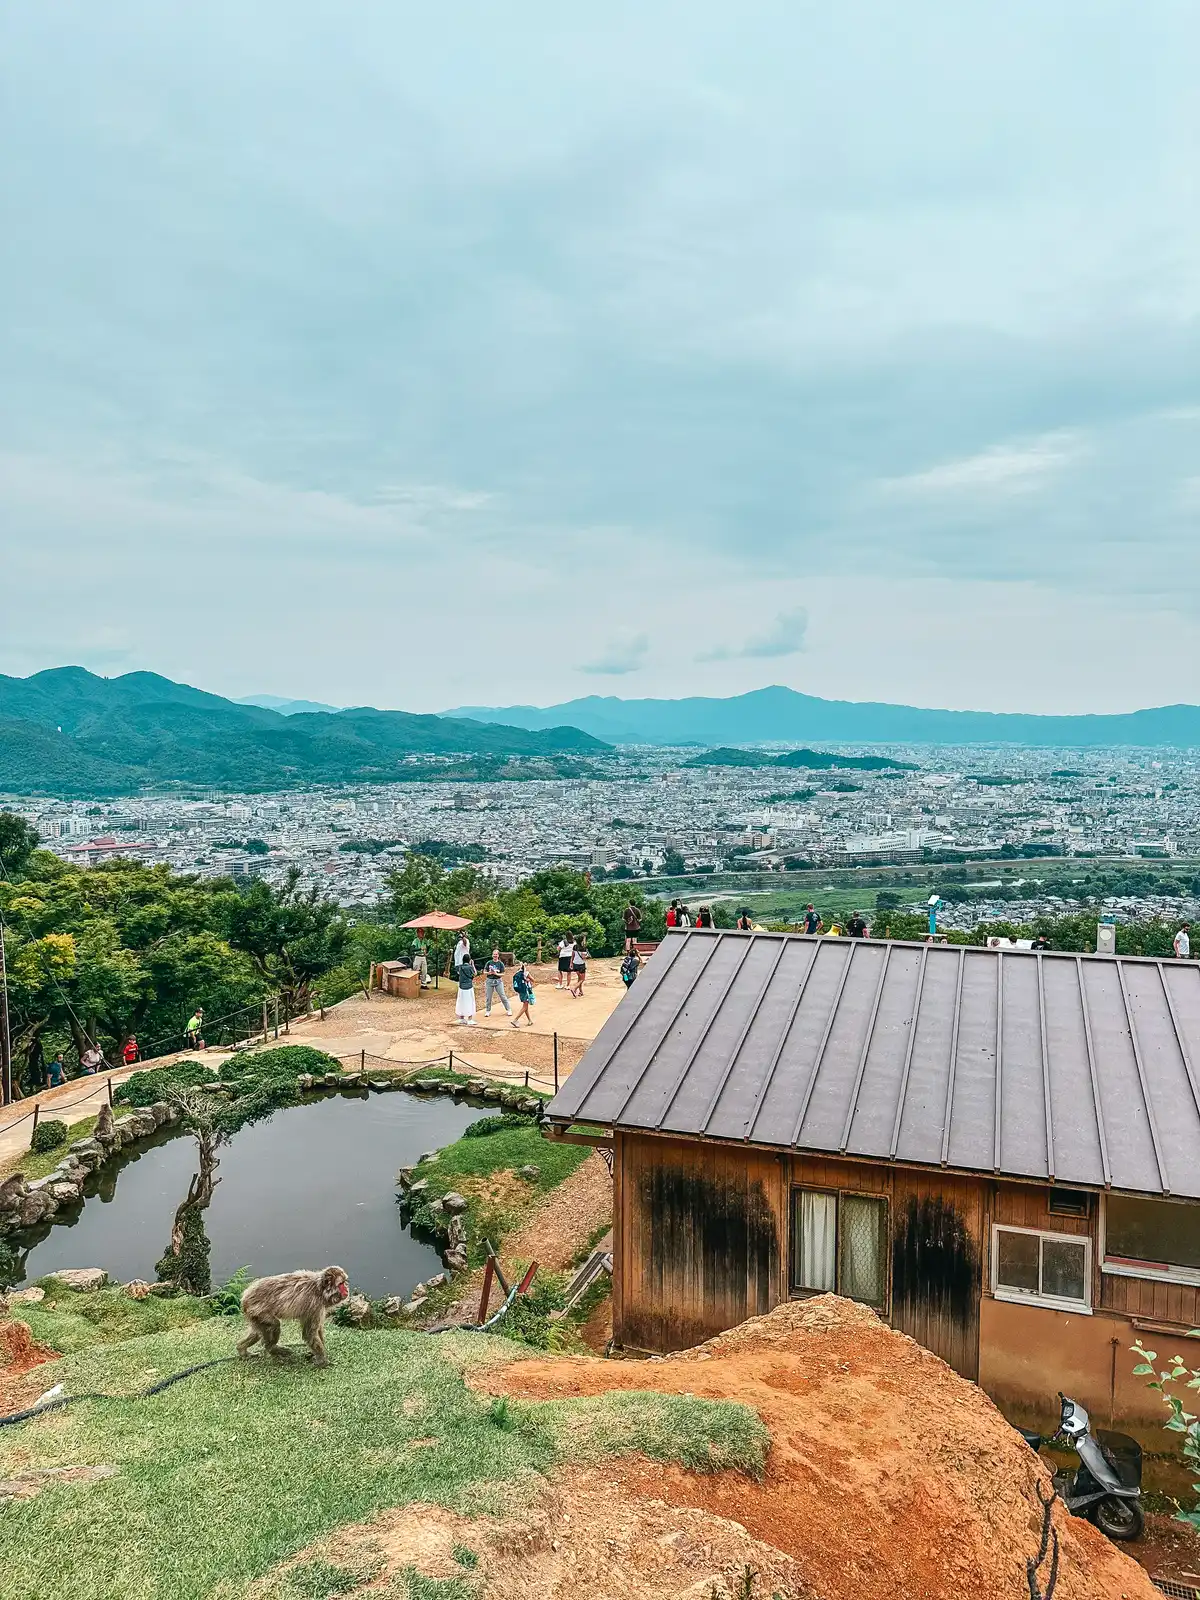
18 1355
889 1476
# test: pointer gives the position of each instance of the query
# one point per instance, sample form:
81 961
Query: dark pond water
312 1185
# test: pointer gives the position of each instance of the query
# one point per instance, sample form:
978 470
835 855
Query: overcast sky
413 355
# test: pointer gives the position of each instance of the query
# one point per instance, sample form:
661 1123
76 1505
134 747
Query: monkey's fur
104 1123
304 1297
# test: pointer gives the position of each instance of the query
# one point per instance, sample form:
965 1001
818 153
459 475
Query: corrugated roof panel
1023 1147
875 1114
829 1100
1077 1151
1127 1131
973 1108
726 1045
679 1053
789 1083
921 1125
739 1098
1175 1096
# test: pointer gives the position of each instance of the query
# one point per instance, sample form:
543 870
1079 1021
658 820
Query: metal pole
6 1088
556 1061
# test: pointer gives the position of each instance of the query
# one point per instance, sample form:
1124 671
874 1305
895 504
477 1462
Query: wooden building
998 1150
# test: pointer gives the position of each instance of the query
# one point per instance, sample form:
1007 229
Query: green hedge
48 1136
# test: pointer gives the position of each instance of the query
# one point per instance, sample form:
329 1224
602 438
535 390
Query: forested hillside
69 732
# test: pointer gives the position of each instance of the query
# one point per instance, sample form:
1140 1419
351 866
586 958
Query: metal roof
1075 1069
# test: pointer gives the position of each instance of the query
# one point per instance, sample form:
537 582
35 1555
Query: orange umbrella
437 920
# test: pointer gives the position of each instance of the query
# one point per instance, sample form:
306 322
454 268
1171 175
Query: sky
417 356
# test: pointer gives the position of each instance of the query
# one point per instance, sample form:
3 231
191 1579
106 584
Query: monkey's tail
138 1394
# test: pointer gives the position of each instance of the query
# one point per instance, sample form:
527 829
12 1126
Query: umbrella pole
437 957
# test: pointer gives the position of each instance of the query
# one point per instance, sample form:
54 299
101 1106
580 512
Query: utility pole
6 1088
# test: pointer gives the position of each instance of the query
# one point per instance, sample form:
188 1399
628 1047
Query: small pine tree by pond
48 1136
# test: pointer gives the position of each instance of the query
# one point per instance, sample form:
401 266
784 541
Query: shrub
48 1136
227 1297
8 1267
497 1124
145 1088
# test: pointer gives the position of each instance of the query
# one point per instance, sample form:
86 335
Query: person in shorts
812 920
633 925
523 989
578 966
566 950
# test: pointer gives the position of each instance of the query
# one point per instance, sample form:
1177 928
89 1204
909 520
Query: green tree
18 840
291 935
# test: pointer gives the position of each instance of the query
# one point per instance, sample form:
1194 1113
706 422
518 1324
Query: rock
304 1082
420 1187
82 1148
530 1173
27 1297
138 1289
476 1086
456 1259
66 1192
509 1100
492 1092
436 1282
446 1086
393 1305
34 1207
332 1079
453 1201
380 1085
411 1307
437 1207
404 1177
430 1155
161 1112
358 1310
419 1291
351 1080
84 1280
164 1291
457 1232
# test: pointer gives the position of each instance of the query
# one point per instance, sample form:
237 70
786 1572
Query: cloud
784 638
626 653
1000 470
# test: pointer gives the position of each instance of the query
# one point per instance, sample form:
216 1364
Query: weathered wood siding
938 1255
700 1239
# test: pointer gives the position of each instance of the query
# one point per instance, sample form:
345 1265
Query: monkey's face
335 1286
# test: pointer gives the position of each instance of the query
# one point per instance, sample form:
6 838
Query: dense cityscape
658 815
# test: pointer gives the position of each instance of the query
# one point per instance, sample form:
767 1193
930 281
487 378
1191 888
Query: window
839 1245
1050 1269
1151 1238
1069 1202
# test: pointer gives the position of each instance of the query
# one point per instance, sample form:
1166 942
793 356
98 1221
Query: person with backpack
633 925
523 989
704 918
630 968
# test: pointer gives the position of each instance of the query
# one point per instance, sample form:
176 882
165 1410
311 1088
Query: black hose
138 1394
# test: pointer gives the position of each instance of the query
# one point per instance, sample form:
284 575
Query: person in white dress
464 1005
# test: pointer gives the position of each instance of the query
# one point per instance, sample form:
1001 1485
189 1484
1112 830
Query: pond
311 1185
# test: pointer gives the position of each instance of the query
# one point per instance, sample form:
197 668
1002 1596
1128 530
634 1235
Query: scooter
1106 1487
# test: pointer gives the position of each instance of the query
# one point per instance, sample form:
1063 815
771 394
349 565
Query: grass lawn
233 1470
69 1322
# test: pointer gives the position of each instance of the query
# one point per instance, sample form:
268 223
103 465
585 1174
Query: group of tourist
494 969
572 963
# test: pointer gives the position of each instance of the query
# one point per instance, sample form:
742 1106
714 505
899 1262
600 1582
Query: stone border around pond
24 1203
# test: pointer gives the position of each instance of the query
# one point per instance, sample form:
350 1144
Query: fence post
277 1016
362 1060
287 1016
321 1007
264 1019
36 1111
527 1077
452 1061
556 1060
110 1097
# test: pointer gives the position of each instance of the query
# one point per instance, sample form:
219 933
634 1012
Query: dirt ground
889 1476
555 1231
18 1358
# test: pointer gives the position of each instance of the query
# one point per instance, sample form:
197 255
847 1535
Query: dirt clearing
889 1476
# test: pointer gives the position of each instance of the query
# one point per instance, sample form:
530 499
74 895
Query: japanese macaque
303 1297
104 1123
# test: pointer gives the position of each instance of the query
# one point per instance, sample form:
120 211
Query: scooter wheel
1119 1519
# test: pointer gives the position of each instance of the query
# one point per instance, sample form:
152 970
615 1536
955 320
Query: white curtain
816 1240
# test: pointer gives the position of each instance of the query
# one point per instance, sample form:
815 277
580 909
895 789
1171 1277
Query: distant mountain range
778 714
816 760
285 708
68 732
